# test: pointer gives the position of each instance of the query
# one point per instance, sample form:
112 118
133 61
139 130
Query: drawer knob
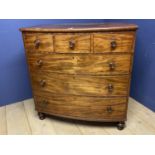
110 88
113 44
44 102
37 43
112 66
39 63
42 83
72 44
109 109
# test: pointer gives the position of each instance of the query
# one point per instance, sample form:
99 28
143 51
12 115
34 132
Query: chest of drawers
81 71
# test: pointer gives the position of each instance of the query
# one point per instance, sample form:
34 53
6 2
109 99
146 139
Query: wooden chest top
82 27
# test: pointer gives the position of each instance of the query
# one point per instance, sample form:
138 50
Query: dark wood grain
81 71
80 63
103 42
81 43
82 27
89 108
45 42
81 84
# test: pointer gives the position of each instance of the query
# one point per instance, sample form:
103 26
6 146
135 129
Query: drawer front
81 85
113 42
96 64
90 108
38 42
72 43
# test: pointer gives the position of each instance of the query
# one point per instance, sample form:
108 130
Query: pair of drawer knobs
72 44
45 103
110 86
112 65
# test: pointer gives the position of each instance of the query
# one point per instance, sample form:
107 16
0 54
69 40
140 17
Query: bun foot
41 116
121 125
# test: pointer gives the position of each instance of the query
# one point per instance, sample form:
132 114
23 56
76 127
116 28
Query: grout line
27 117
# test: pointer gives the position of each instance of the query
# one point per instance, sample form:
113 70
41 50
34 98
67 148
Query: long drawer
97 64
80 84
90 108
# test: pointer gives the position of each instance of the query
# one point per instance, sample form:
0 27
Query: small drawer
38 42
82 107
113 42
72 43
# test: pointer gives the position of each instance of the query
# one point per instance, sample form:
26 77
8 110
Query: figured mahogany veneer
81 84
113 42
81 71
74 106
38 42
93 64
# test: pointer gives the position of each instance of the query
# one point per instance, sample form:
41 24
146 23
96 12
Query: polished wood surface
72 43
76 71
81 84
82 27
113 42
105 109
91 64
80 42
38 42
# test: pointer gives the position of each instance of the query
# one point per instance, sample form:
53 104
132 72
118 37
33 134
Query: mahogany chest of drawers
81 71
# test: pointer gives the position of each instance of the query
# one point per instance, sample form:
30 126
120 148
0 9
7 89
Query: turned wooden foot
42 116
121 125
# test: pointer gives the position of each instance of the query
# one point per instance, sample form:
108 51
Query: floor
22 119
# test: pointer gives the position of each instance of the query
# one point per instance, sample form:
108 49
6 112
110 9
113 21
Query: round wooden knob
37 43
39 63
72 44
112 66
42 83
113 44
110 87
109 109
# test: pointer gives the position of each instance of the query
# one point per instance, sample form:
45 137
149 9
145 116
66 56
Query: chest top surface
95 27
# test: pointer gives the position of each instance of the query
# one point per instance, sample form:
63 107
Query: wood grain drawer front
113 42
96 64
90 108
81 85
72 43
38 42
